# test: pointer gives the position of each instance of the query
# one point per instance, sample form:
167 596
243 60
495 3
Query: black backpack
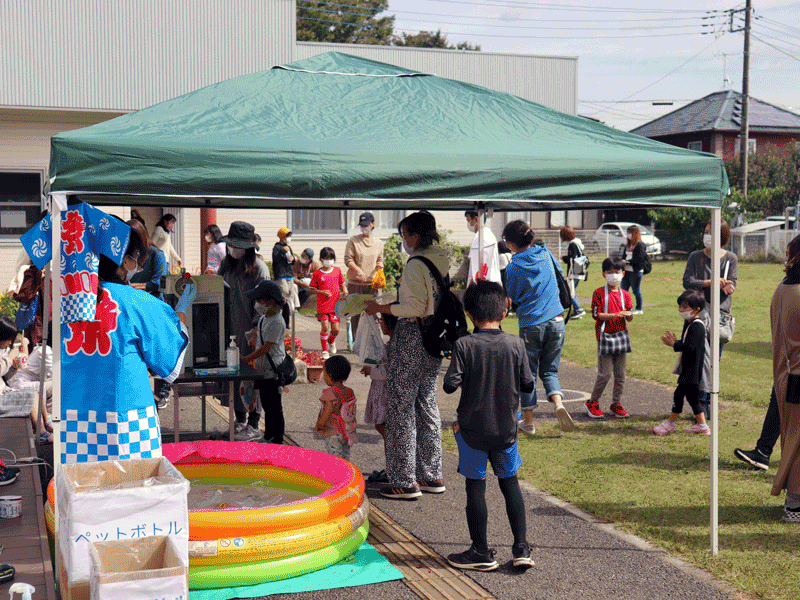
563 289
647 266
448 323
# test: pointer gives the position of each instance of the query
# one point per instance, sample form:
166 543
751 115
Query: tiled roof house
712 124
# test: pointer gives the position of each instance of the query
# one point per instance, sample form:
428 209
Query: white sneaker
246 433
637 312
579 315
332 347
325 355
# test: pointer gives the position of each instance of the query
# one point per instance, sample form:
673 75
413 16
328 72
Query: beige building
87 66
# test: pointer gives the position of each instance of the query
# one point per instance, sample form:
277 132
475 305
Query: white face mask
472 228
327 263
288 240
209 239
707 240
630 236
304 260
366 230
129 273
261 308
614 278
408 249
686 315
236 253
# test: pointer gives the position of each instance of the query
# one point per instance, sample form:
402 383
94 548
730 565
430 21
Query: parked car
613 236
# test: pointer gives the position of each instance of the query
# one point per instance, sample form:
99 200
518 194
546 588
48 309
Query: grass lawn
658 488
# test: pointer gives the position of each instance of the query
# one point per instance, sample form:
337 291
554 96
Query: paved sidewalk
576 557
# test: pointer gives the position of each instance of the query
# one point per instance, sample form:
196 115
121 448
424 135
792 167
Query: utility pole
744 135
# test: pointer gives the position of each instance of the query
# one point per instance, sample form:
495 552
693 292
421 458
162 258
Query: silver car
612 236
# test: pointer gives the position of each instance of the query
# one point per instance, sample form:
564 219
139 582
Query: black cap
365 219
240 235
309 252
266 290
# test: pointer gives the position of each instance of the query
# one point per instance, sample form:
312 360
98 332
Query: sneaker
332 347
529 429
637 312
593 410
618 411
522 555
578 315
791 515
435 486
8 475
753 457
401 493
564 420
701 429
378 477
325 355
162 403
46 438
243 432
472 559
664 428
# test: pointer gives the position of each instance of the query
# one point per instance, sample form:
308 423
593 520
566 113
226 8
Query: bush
394 259
8 306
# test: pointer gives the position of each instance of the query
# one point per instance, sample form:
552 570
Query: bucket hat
240 235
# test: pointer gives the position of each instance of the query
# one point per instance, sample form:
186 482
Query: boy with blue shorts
491 367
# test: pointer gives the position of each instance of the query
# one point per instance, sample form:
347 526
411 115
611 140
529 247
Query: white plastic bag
369 341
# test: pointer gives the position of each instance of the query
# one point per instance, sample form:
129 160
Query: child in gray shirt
491 368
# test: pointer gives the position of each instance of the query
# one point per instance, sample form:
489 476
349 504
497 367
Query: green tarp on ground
337 130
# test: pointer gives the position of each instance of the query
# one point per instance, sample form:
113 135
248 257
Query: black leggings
478 513
273 410
692 394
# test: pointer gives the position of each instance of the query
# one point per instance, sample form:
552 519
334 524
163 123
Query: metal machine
206 321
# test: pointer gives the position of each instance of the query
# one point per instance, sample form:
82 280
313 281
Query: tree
773 175
426 39
356 23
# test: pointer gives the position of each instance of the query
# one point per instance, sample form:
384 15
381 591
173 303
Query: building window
517 215
558 218
695 146
751 146
314 221
20 201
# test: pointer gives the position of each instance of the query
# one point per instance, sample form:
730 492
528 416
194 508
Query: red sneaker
593 409
618 411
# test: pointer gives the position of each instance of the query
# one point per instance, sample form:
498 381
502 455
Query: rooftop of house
721 111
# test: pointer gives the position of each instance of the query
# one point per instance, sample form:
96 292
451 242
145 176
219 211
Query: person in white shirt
491 257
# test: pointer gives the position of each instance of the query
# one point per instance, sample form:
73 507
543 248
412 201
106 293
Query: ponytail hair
518 233
422 223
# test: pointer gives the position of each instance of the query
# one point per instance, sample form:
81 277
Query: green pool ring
226 576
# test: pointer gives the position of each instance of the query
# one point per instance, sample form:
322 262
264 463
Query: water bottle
232 354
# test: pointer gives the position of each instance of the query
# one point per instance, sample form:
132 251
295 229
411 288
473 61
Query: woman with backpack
413 424
634 253
532 284
577 263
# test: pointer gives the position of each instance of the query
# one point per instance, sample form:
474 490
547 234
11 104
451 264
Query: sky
631 53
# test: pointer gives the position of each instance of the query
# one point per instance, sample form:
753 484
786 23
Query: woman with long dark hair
784 312
216 249
413 424
532 285
634 254
161 237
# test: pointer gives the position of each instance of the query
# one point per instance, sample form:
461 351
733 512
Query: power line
538 20
776 48
639 101
527 36
564 7
779 39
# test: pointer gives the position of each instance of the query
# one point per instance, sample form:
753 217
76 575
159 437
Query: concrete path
576 556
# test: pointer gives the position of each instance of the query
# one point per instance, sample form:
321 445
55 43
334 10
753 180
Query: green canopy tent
338 131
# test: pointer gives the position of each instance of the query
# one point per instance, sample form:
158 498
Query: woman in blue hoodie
531 284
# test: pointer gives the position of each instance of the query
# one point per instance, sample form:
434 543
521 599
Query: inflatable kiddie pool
266 512
319 517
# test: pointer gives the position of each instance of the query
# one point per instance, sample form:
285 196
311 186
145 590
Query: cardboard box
139 569
115 501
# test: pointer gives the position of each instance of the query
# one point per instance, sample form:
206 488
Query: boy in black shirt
491 367
693 346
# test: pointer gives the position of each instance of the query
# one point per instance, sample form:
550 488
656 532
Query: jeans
633 280
575 306
543 343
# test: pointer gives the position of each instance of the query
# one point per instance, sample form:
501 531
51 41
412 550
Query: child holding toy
337 417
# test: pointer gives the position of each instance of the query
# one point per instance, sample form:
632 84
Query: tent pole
716 215
481 225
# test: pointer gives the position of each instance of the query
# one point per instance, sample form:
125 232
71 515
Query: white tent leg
480 242
716 215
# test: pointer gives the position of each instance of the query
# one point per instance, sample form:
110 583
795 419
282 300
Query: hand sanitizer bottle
232 354
25 589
